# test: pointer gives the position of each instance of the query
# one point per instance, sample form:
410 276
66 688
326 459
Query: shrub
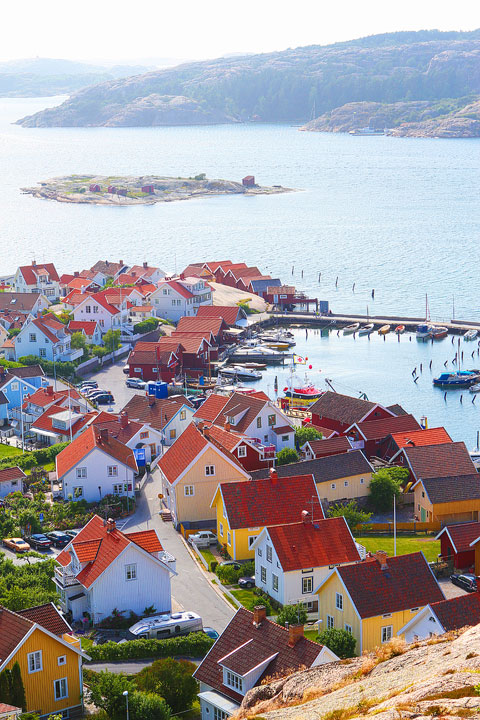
146 325
339 641
385 485
287 456
62 369
148 706
213 565
292 614
304 433
193 645
172 679
254 602
353 514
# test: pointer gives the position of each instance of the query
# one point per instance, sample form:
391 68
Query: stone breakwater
143 190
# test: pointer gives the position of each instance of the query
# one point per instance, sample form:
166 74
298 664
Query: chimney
111 525
76 273
206 432
34 262
49 390
145 265
123 419
182 276
273 476
381 556
227 427
104 435
305 516
295 633
259 614
121 262
200 426
151 400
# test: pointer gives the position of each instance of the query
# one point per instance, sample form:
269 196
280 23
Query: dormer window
232 680
231 420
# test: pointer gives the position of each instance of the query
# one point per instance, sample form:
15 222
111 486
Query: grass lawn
244 596
207 555
8 451
311 635
405 544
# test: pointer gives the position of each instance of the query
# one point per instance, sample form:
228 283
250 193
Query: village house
456 544
394 443
95 465
104 568
145 272
454 498
250 452
109 269
196 355
339 412
180 297
132 433
23 303
11 480
38 402
97 307
210 327
244 509
38 278
252 415
261 286
90 329
58 424
80 283
374 599
431 461
162 360
250 649
168 417
138 313
291 560
370 436
46 338
233 315
191 470
50 659
15 385
314 449
440 617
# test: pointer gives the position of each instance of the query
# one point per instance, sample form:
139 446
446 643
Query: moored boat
437 333
302 396
474 388
423 331
351 329
366 329
470 334
384 330
240 372
400 329
277 345
459 379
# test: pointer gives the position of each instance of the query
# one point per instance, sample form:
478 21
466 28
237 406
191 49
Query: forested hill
284 86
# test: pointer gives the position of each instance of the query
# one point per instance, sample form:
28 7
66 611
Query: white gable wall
96 465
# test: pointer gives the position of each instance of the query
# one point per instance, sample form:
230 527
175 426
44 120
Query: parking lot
112 377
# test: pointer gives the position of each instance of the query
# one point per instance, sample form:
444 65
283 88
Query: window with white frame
348 628
33 337
251 540
362 481
275 582
220 528
112 470
218 714
229 539
307 585
285 438
339 601
259 422
34 660
118 488
269 553
131 571
263 574
272 420
330 622
233 680
14 385
61 688
78 492
387 632
333 486
259 552
43 352
81 472
242 451
346 483
209 469
62 660
189 490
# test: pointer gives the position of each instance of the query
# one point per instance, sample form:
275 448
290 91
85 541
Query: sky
135 30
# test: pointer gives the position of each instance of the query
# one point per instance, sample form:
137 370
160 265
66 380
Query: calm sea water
398 215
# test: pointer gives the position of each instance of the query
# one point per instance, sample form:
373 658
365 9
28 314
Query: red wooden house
339 412
94 187
196 356
370 436
149 189
112 189
211 326
455 543
248 181
251 453
156 361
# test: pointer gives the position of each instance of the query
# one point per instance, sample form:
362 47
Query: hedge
193 645
32 459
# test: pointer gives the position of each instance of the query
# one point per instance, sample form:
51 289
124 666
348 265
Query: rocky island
143 190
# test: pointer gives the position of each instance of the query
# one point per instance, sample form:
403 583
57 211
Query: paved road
112 377
191 589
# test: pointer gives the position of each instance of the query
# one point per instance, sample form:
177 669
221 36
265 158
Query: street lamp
125 695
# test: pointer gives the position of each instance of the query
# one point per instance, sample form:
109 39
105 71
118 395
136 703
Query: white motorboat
351 329
240 372
470 334
366 329
474 388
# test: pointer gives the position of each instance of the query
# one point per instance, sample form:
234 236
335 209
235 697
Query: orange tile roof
225 438
183 451
211 408
200 325
87 550
88 326
42 398
29 272
231 314
85 443
45 330
190 344
432 436
146 539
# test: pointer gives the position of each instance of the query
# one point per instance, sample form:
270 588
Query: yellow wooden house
191 470
49 656
244 509
449 499
375 598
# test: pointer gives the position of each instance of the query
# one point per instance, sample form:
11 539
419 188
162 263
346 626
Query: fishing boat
240 372
423 331
278 337
437 333
255 365
366 329
458 379
470 334
400 329
384 330
351 329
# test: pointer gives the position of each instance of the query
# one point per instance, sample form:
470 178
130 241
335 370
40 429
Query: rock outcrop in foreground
433 678
127 190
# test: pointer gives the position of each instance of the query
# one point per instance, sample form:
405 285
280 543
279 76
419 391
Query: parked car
126 369
246 582
135 383
16 544
211 633
72 533
87 385
59 539
234 563
203 538
196 401
104 399
39 541
93 391
468 582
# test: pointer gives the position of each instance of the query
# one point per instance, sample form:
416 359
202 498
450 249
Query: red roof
231 314
305 545
75 298
462 535
15 473
146 539
45 421
458 612
40 325
332 446
192 344
211 408
225 438
48 617
43 397
218 408
77 283
379 429
29 272
88 326
271 501
201 325
177 286
142 271
406 583
445 460
113 424
432 436
88 441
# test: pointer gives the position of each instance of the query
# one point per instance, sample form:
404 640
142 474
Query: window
229 539
263 574
61 689
259 552
62 660
233 680
14 385
33 337
78 492
81 472
218 714
220 529
173 434
348 628
251 540
43 352
271 420
118 488
242 451
112 471
209 469
284 438
387 632
95 309
183 414
275 582
14 483
269 553
423 494
259 422
189 490
339 601
333 486
131 571
143 435
387 615
307 585
34 661
346 483
330 622
88 309
362 481
414 609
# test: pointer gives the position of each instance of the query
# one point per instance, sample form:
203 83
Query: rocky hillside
288 85
433 678
423 118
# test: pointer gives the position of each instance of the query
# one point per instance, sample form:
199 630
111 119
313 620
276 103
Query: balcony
64 578
267 450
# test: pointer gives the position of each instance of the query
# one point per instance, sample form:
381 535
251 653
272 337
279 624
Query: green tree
111 340
353 514
18 690
386 484
148 706
78 341
106 691
6 687
287 456
292 614
304 434
172 679
341 642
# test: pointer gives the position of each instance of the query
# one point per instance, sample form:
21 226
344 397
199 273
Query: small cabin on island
149 189
95 187
122 191
112 189
248 181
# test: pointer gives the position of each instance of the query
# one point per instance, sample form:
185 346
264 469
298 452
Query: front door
423 515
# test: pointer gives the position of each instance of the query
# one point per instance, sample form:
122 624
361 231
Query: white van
164 626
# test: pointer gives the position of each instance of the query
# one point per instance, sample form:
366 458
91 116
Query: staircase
166 515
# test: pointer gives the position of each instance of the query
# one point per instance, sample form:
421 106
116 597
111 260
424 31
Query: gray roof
261 285
453 488
323 469
20 302
3 399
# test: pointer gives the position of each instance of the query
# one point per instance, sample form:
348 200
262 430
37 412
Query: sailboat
460 378
424 330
